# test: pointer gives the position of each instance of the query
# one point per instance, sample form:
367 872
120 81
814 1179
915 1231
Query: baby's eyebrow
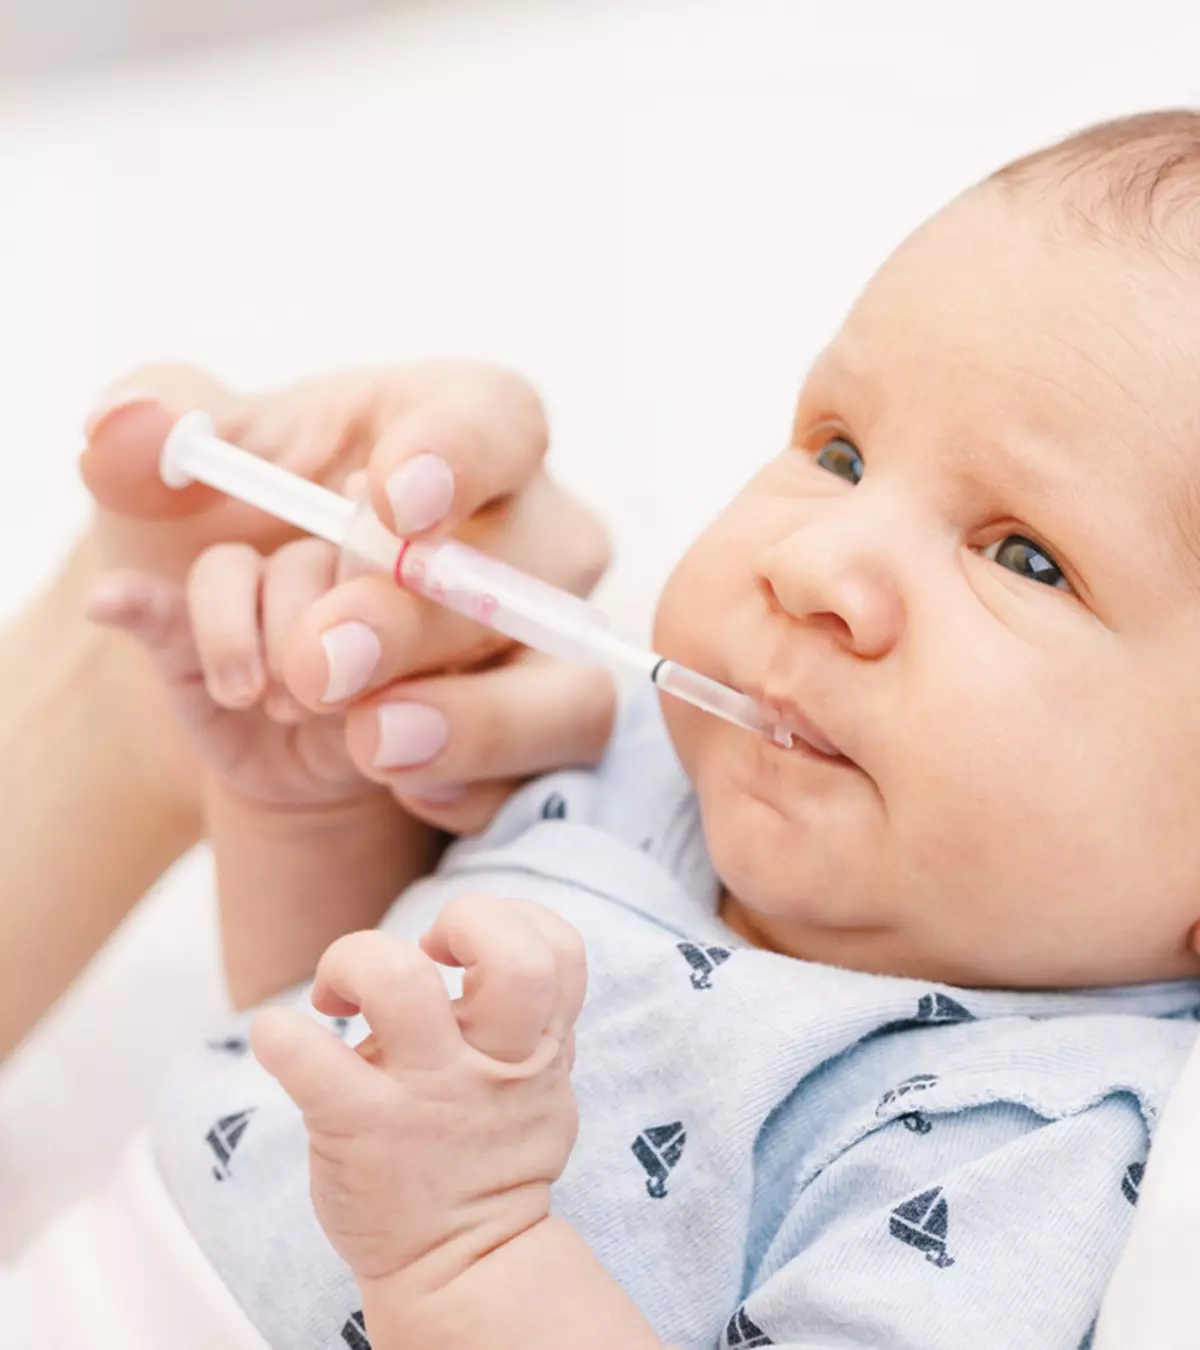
1032 476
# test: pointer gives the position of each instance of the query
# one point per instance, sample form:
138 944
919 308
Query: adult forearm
292 881
544 1290
89 821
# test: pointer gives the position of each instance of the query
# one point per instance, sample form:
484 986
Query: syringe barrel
713 697
451 574
523 608
193 453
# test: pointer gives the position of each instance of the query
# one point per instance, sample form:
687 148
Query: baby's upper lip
786 712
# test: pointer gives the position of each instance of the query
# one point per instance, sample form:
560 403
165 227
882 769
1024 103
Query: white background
39 35
657 210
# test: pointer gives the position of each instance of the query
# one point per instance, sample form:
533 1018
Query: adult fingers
510 722
125 434
295 576
544 534
456 808
477 436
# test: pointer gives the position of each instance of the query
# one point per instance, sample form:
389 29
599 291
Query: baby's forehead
986 298
987 330
1079 263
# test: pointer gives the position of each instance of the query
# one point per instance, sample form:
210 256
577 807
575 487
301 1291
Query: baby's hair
1136 176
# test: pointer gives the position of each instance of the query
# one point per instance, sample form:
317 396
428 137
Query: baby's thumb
316 1069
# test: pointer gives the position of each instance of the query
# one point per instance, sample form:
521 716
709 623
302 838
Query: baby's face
976 573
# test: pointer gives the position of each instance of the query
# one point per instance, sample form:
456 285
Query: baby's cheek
696 600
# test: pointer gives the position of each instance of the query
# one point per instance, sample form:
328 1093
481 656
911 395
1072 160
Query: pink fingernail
114 401
353 652
420 493
409 733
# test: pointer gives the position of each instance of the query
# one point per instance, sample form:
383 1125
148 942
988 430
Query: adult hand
454 713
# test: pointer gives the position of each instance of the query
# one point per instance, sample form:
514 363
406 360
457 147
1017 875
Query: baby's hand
436 1139
217 643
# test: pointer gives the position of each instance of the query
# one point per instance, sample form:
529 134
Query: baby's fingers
511 989
316 1069
223 597
154 611
400 993
150 609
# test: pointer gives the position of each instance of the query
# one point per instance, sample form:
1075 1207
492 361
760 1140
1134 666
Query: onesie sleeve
991 1228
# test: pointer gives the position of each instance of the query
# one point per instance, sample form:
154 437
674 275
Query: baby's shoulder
1008 1150
1043 1067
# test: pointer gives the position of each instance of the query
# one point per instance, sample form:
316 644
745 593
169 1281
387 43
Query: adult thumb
125 433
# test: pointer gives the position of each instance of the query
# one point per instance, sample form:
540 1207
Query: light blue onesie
770 1152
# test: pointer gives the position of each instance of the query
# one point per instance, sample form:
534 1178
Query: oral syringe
449 573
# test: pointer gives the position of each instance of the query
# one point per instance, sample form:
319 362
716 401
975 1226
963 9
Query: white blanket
120 1269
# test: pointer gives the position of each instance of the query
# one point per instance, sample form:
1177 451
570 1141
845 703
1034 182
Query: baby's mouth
790 729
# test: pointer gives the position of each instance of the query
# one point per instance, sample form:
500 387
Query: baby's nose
837 586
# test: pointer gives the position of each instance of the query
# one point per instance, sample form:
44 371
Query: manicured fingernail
409 733
116 400
353 652
420 492
443 796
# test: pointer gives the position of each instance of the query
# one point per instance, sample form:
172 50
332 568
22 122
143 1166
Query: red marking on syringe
433 590
482 607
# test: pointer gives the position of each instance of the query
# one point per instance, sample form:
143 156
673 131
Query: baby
877 1028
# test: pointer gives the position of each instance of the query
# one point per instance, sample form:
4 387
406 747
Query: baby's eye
840 457
1024 557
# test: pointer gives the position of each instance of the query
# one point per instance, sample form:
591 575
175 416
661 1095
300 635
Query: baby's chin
778 868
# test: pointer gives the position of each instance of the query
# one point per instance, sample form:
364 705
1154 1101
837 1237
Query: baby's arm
434 1143
544 1290
305 848
291 881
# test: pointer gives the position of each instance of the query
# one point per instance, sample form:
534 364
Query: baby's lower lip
813 748
812 739
788 730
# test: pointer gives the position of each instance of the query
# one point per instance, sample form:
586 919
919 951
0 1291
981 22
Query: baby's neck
875 951
891 950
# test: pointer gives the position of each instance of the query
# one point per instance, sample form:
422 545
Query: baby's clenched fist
436 1139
